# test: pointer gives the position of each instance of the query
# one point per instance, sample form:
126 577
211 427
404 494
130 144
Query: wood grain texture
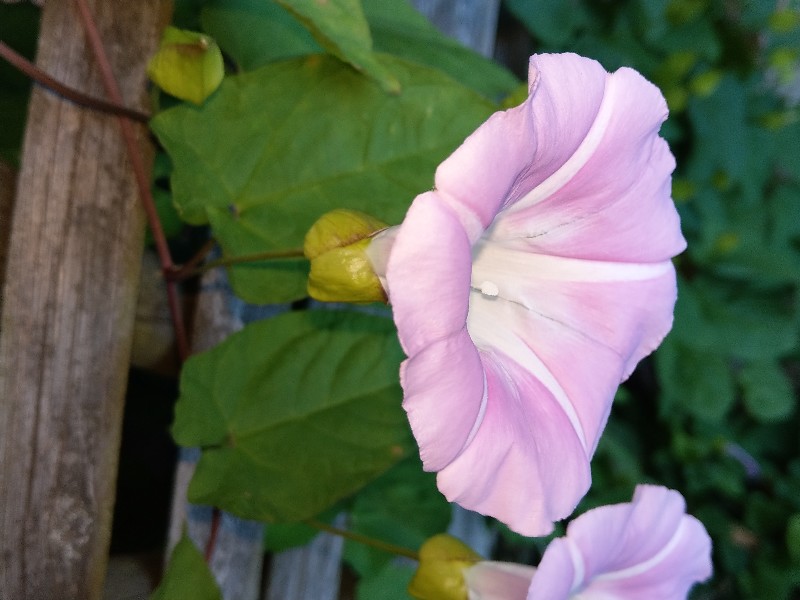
67 318
8 181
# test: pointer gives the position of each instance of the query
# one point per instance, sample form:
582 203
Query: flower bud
341 270
440 575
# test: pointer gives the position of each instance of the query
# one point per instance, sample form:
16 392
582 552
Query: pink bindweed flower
528 284
648 548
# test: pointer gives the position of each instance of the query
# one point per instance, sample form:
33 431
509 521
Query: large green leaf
341 28
273 34
399 29
187 576
293 413
276 148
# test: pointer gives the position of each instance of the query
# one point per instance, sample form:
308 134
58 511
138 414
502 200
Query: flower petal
625 306
444 397
428 274
525 465
514 151
477 178
587 323
648 548
612 199
493 580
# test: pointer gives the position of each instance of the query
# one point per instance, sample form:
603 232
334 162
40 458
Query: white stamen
489 288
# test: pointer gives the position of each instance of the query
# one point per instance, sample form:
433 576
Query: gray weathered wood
67 318
8 181
471 529
472 22
311 572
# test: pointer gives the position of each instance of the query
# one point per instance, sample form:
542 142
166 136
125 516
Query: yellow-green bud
440 575
341 271
188 65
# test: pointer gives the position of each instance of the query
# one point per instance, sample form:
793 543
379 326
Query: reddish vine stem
142 181
22 64
216 516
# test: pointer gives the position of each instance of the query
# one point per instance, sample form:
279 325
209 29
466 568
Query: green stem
184 273
363 539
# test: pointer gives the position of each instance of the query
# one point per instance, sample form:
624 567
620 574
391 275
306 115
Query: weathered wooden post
8 183
67 316
471 22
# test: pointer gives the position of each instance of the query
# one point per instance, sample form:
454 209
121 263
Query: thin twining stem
46 81
363 539
228 261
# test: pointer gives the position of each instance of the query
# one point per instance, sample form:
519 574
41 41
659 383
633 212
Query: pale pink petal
525 465
517 149
476 180
492 580
625 306
612 199
444 393
428 274
648 548
586 323
565 102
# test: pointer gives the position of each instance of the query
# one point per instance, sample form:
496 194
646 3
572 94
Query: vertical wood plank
310 572
471 22
8 183
67 319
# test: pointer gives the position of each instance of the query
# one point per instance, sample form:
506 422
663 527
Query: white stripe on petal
496 262
578 568
479 418
575 162
648 564
489 333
